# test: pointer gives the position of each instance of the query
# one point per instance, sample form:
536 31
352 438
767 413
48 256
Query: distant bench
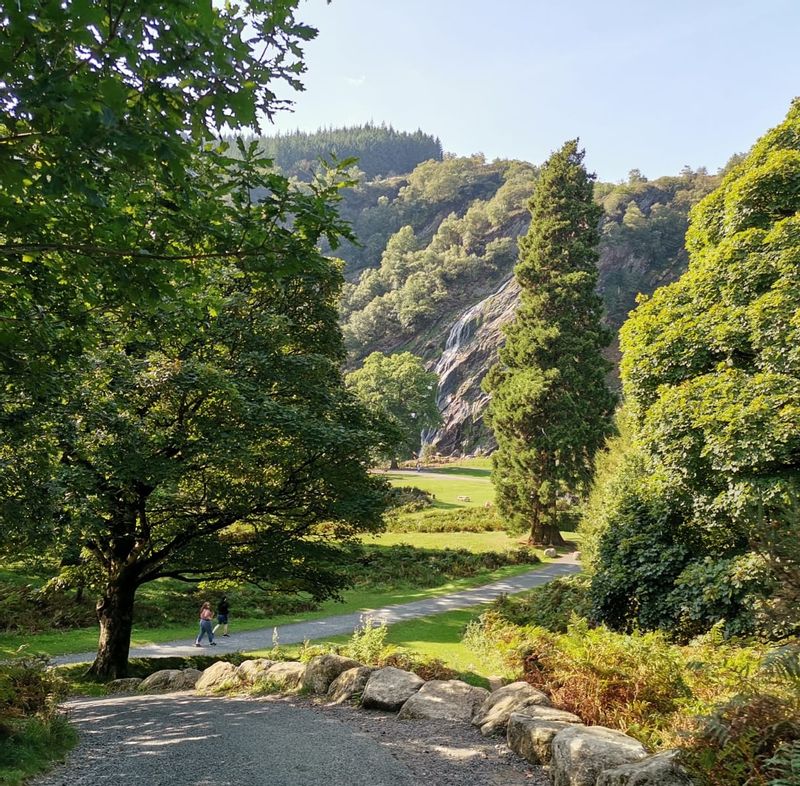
463 498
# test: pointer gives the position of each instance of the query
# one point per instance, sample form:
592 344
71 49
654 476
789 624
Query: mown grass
85 639
450 469
475 542
448 490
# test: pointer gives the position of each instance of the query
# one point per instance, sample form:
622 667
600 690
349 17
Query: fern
785 765
783 664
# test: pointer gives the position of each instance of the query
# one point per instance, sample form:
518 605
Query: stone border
576 754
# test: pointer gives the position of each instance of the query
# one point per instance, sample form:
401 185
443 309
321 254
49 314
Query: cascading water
446 367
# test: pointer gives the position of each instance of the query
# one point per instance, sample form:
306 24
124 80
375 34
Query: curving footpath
347 623
180 739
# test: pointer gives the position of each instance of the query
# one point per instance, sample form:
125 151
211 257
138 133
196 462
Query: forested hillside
380 150
435 244
440 238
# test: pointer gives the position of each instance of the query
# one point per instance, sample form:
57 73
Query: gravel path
181 739
347 623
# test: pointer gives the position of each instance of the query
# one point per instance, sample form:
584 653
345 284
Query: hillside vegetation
438 239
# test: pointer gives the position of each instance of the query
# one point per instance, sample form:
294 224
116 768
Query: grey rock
493 715
451 700
124 685
662 769
389 688
581 753
286 674
550 553
349 685
251 670
324 669
219 676
531 731
169 680
495 683
477 336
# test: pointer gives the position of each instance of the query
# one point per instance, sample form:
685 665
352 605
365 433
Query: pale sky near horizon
653 86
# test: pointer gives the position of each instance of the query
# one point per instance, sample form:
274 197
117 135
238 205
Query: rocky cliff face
471 349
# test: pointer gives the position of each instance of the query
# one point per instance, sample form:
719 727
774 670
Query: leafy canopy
171 400
711 371
399 389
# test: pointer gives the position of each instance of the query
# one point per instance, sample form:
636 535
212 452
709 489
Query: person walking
222 616
206 615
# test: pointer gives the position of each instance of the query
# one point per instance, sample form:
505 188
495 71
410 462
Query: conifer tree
550 408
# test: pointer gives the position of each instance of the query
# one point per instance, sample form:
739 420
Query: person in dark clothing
222 616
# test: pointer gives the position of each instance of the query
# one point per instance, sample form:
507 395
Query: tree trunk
393 464
545 535
115 614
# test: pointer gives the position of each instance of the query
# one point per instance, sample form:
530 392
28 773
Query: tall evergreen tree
550 407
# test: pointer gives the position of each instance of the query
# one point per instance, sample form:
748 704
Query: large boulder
662 769
168 680
324 669
550 553
286 675
123 685
531 731
251 670
390 688
217 677
451 700
581 753
493 715
349 684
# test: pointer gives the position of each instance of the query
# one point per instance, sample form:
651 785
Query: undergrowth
550 606
33 733
732 707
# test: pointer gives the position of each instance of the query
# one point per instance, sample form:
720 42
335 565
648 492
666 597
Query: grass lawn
472 541
447 490
85 639
454 469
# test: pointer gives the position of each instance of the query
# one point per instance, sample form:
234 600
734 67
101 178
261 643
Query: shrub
632 683
550 606
739 743
406 565
629 682
408 499
368 642
734 710
426 668
28 688
785 765
29 608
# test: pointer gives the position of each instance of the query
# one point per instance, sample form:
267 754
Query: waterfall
462 331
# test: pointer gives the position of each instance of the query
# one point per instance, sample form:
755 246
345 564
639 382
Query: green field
472 541
480 467
447 490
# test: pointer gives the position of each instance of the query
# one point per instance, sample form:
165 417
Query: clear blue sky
651 85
